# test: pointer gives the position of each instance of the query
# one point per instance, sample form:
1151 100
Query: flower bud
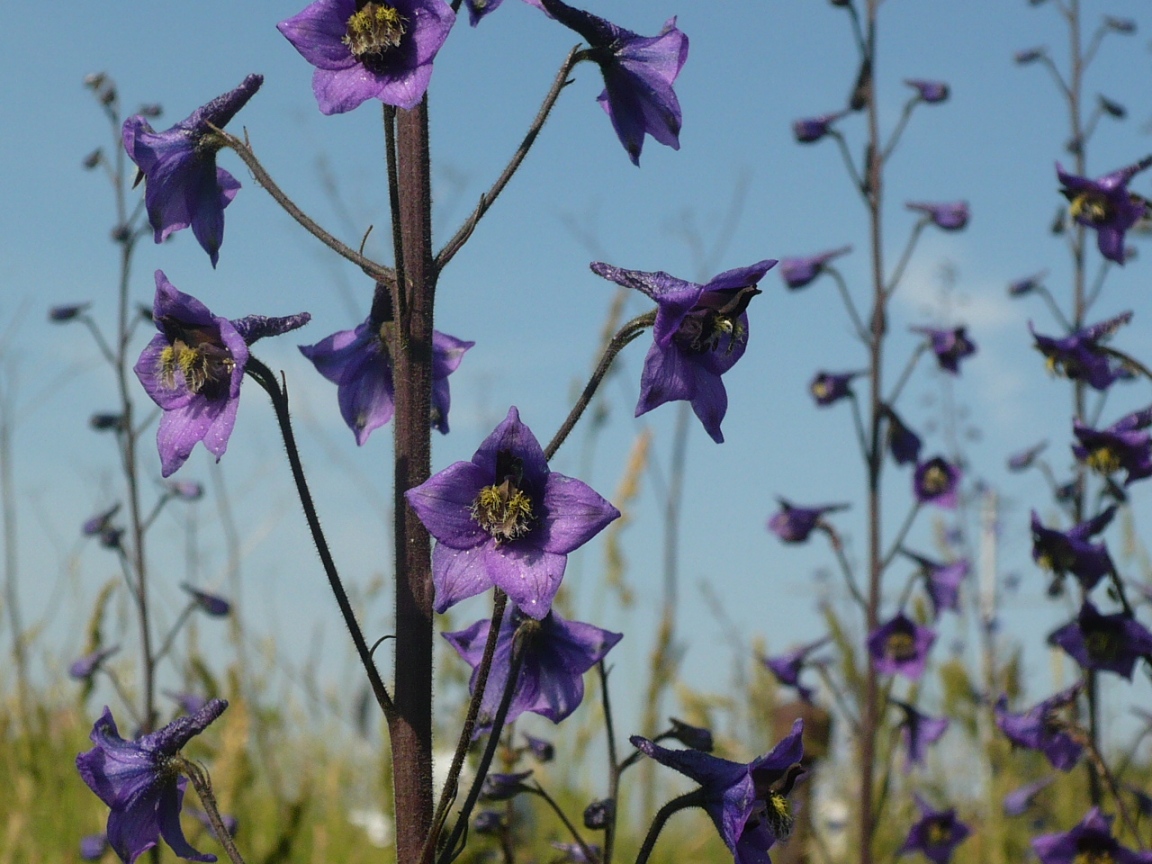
598 814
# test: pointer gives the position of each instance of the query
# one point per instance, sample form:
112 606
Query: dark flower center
203 362
772 807
1056 560
938 832
1092 208
715 321
900 645
1104 459
504 510
1103 644
373 31
1094 850
936 480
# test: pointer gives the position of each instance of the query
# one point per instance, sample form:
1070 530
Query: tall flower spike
183 185
1044 727
1080 357
639 72
505 520
557 653
1090 841
701 332
193 369
1110 643
140 783
1106 205
748 803
369 50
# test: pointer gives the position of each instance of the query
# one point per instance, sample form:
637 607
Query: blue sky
521 288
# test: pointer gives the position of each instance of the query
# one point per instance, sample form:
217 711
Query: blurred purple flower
1025 458
799 272
211 604
1018 802
1111 643
1080 357
184 186
190 703
100 523
1069 551
1106 205
599 814
574 853
949 346
936 834
62 314
185 490
918 731
809 130
1043 727
701 331
543 750
936 481
503 787
488 822
748 803
1030 55
371 50
929 91
505 520
140 784
1027 285
787 667
943 581
828 388
1123 446
1090 841
359 364
694 737
947 216
93 847
793 524
106 421
84 668
900 647
1120 25
903 443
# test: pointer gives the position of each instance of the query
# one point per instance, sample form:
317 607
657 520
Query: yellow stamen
375 29
503 511
1104 460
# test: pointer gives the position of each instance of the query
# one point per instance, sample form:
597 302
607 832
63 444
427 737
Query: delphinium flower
943 581
504 787
1020 801
369 50
193 369
1106 205
936 834
1079 356
827 388
358 362
599 814
1070 551
1044 727
1123 446
140 783
69 312
900 647
1111 643
106 421
903 443
543 751
701 331
918 731
748 803
505 520
211 604
93 846
1027 285
1024 460
809 130
184 490
947 216
786 668
557 653
638 71
936 481
800 272
85 667
949 345
695 737
102 526
929 91
1090 841
793 523
183 185
1125 26
488 822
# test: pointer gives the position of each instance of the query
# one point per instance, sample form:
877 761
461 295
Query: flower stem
203 785
613 766
689 799
584 847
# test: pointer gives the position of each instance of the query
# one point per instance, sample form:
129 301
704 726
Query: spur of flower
556 654
701 331
638 71
936 833
900 647
505 520
1071 551
369 50
1044 727
793 524
1111 643
1090 841
141 784
358 362
1106 205
800 272
936 481
183 186
947 216
193 369
1080 355
748 803
1123 446
949 345
786 668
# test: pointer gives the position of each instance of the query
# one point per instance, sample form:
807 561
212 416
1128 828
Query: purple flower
101 523
503 787
1122 446
809 130
695 737
800 272
1120 25
1019 801
936 482
937 833
900 647
557 653
211 604
949 346
943 582
599 814
488 822
1106 205
638 75
193 369
359 364
948 216
505 520
793 524
1043 727
106 421
1023 460
830 387
787 667
84 668
700 333
917 731
903 443
62 314
1027 285
140 783
1069 551
1079 356
929 91
93 847
748 803
184 186
369 50
190 703
1091 840
543 750
185 490
1111 643
1029 55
